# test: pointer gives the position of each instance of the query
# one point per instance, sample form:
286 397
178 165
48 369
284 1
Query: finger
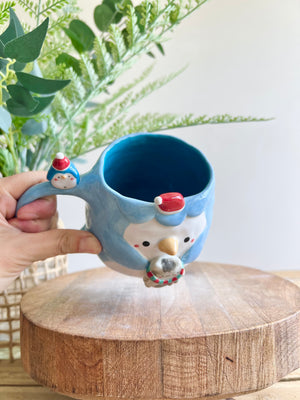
17 184
34 225
39 246
39 209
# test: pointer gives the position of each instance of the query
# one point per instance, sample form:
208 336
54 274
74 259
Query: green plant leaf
5 119
131 31
18 66
75 39
33 127
85 33
22 96
174 14
103 16
160 48
111 4
27 48
7 165
1 48
20 110
116 43
82 37
41 85
13 30
3 64
69 61
123 5
5 95
18 26
139 14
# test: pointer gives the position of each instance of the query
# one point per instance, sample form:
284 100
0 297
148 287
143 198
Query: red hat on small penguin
60 162
170 203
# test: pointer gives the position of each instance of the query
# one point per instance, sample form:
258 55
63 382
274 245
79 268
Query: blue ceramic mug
149 202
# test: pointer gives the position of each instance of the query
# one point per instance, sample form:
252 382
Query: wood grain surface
222 330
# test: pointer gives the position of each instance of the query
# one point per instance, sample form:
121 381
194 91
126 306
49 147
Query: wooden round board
222 330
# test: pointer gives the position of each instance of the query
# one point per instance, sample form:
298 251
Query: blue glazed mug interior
145 165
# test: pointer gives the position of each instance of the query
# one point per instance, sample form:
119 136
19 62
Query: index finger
17 184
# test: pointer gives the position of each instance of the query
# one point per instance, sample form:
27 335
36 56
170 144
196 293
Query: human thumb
39 246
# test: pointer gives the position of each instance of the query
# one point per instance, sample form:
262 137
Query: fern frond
82 143
28 5
89 75
116 42
50 7
103 58
59 22
75 92
126 88
132 28
190 120
4 11
141 94
51 49
155 122
145 11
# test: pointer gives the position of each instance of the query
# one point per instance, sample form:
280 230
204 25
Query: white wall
243 59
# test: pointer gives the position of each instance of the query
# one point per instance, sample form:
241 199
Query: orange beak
169 246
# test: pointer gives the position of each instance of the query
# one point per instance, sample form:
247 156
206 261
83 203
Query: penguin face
151 239
63 181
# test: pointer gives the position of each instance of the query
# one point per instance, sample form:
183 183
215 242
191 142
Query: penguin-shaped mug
149 202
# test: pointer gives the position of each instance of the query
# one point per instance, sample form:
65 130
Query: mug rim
101 166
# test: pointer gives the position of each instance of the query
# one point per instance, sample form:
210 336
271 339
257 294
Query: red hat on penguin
60 162
170 203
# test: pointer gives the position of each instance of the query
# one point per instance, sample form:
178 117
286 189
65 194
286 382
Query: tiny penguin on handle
63 174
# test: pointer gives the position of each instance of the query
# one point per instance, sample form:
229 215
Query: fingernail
89 244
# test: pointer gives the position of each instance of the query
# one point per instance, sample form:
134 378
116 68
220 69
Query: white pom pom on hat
60 162
170 203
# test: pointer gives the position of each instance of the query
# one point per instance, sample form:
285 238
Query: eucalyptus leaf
18 66
3 64
75 39
22 96
5 119
13 30
113 5
33 127
103 16
69 61
41 85
1 48
5 95
84 34
18 26
27 48
21 111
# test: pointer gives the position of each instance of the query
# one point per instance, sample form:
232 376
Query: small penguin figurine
63 174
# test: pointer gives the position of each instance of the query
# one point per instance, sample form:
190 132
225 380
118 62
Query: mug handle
46 189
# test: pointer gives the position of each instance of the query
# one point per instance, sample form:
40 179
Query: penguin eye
58 177
146 243
186 239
